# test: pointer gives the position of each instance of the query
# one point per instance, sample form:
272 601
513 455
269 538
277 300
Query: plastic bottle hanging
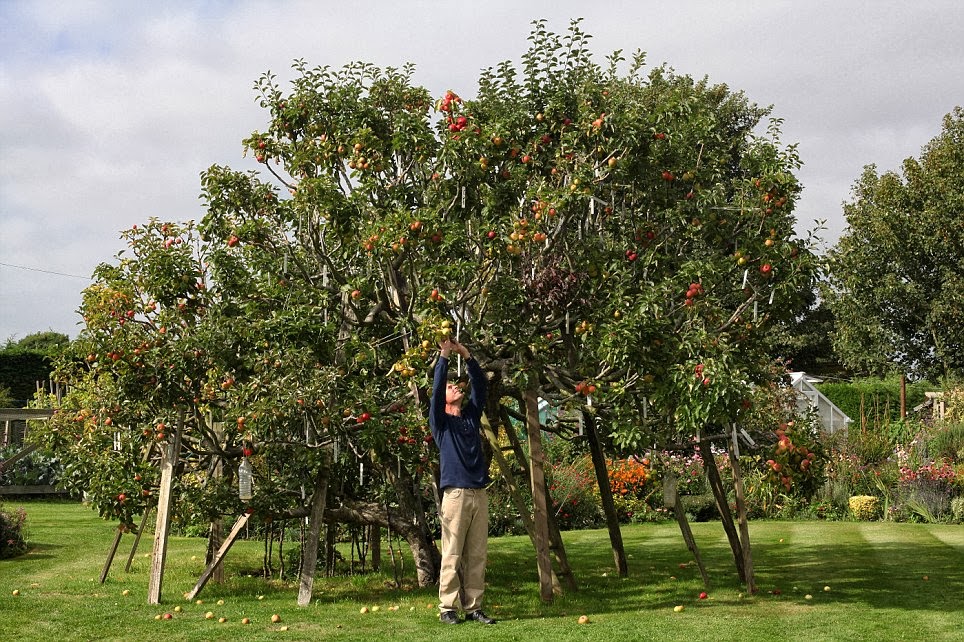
245 480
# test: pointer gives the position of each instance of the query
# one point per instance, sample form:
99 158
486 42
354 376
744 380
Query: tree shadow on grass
888 575
41 551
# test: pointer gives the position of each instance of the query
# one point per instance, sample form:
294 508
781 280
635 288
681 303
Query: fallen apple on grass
275 618
583 619
678 608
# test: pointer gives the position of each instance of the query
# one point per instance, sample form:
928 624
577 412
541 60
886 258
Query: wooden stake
219 556
734 449
137 537
719 493
671 500
163 527
538 479
110 555
516 495
606 494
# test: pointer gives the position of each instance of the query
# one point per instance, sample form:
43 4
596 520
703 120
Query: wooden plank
734 448
162 529
671 500
25 414
32 490
19 455
539 504
726 517
219 556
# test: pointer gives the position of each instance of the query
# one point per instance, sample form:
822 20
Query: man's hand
448 346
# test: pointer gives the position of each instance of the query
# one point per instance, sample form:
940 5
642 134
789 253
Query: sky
110 110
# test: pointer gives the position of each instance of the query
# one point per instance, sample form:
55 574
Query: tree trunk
428 559
215 539
606 495
309 564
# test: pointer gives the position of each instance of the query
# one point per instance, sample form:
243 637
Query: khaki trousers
465 532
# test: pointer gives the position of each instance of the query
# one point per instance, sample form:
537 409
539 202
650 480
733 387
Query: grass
887 581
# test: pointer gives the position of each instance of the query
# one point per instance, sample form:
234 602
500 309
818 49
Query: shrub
947 443
688 468
926 492
12 537
864 507
504 519
957 508
573 491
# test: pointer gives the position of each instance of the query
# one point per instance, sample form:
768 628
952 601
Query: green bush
572 488
947 443
925 493
879 398
12 537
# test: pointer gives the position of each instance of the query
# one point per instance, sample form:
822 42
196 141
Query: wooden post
606 495
903 397
375 545
137 537
310 557
671 500
734 448
163 527
110 554
726 517
219 556
556 545
538 479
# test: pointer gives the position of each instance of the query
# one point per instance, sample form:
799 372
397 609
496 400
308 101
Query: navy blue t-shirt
459 438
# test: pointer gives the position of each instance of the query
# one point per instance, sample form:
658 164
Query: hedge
881 399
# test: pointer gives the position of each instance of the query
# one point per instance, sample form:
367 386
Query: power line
32 269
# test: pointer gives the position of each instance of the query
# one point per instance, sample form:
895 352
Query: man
464 476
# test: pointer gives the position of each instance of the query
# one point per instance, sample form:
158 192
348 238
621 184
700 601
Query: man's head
454 392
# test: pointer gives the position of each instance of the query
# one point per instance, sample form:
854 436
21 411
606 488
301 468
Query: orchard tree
619 244
896 276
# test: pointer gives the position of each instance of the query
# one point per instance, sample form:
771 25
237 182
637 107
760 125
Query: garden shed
808 397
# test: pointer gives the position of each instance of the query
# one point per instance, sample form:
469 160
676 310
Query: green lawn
886 582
